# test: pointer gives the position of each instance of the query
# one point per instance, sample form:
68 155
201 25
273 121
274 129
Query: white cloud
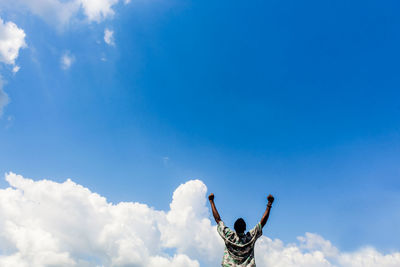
57 12
98 10
4 100
64 11
16 69
44 223
67 59
12 39
369 257
109 37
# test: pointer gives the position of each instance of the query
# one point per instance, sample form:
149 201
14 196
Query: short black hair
240 226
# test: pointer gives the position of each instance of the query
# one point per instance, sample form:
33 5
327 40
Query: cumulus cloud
12 39
64 224
63 11
109 37
44 223
67 59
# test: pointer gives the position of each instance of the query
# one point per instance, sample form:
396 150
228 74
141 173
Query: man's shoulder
221 225
225 231
257 230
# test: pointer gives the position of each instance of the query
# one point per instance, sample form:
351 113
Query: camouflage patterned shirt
239 248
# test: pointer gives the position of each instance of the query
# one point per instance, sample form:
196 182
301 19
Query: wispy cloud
65 224
63 12
67 59
165 160
4 100
16 69
109 37
10 120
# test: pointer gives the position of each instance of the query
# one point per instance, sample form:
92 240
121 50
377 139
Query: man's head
240 226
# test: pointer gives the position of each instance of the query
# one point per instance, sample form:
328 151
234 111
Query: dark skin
263 220
214 209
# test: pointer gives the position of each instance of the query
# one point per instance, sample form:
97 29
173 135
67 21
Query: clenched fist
211 197
270 199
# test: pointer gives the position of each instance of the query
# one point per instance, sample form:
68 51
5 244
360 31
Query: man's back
239 248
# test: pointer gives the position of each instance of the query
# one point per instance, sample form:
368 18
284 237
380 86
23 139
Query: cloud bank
45 223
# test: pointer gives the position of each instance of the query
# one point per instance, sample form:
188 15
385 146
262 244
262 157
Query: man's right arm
264 218
214 209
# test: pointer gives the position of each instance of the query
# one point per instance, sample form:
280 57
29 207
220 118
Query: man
239 247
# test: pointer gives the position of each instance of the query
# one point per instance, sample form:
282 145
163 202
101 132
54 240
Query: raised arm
214 209
264 218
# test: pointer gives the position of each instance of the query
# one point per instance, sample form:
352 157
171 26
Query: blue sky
295 98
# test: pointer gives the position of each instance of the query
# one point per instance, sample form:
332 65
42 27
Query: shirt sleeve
256 231
224 231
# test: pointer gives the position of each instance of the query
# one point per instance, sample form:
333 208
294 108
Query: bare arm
264 218
214 209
